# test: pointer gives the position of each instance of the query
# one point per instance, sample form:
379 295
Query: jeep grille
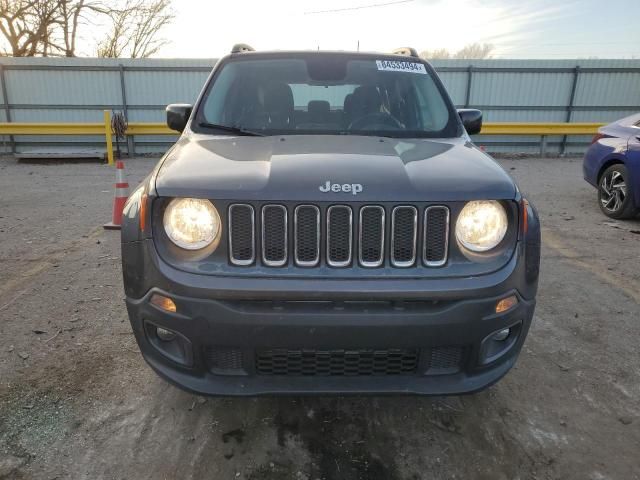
330 236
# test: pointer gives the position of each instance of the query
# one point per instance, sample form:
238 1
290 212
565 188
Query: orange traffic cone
119 199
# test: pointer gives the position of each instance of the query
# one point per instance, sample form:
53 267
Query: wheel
615 195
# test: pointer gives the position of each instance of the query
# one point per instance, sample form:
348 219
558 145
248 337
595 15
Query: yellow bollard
107 133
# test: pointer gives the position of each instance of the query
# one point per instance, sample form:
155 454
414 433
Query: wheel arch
606 164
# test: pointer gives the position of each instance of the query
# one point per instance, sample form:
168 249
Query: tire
615 193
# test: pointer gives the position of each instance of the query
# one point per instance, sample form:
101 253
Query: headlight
481 225
192 223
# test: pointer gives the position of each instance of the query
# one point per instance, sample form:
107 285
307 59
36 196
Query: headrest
318 108
366 99
278 97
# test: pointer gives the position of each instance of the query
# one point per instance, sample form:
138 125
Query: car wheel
615 196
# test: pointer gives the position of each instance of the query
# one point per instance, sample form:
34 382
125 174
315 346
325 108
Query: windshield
326 94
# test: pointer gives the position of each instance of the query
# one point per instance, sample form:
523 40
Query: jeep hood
294 167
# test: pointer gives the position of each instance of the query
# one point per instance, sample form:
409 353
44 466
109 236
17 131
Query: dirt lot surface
78 401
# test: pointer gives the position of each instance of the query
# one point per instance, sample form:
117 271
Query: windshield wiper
227 128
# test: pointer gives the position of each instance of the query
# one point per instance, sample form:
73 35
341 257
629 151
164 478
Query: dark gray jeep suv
325 225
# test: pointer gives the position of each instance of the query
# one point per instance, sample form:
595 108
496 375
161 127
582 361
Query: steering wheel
376 119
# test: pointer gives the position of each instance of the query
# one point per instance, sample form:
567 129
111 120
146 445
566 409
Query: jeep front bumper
244 336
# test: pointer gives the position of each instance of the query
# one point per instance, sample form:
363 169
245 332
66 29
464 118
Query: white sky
517 28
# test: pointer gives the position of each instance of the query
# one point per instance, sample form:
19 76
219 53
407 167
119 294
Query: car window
328 95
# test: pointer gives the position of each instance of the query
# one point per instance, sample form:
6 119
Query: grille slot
274 235
339 235
436 236
242 232
371 236
404 233
307 235
336 362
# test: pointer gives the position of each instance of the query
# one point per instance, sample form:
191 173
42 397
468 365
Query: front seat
365 101
319 111
278 105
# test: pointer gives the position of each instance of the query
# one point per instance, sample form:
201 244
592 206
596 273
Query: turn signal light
506 304
165 303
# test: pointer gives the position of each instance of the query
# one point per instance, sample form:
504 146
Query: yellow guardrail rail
539 129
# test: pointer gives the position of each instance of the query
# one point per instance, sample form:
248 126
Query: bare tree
45 27
438 53
135 30
71 14
473 50
27 26
51 27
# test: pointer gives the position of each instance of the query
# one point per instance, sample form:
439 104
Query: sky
517 29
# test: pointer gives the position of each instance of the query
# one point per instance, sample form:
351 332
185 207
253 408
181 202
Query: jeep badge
354 188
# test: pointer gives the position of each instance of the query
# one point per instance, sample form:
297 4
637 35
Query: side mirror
471 119
178 115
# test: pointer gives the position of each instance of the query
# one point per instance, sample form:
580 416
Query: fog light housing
169 343
499 343
165 335
501 335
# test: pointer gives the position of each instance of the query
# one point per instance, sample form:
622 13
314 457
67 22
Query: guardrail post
467 97
572 97
7 109
543 146
107 134
131 146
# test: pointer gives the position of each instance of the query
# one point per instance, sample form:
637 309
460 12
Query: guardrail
538 129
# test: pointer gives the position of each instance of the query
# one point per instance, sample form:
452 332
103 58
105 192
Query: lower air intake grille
445 360
224 360
336 362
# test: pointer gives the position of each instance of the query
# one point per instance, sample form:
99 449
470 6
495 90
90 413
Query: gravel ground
78 401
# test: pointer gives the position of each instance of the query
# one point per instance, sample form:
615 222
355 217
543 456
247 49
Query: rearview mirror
177 116
471 119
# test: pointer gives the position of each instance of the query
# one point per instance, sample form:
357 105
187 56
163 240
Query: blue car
612 165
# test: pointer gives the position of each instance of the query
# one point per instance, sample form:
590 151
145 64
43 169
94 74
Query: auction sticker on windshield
395 66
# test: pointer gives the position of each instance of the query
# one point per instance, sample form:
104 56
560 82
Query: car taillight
597 137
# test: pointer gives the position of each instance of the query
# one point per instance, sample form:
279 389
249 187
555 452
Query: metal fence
78 90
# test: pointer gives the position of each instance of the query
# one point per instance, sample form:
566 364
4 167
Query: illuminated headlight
481 225
192 223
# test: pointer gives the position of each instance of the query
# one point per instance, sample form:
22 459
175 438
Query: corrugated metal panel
158 88
610 89
523 115
58 116
456 83
497 88
63 87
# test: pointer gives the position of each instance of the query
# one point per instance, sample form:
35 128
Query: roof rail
406 51
242 48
